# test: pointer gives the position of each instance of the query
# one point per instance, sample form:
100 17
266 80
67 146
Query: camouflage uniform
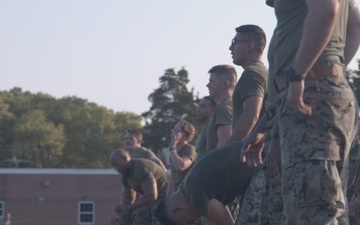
315 150
271 204
354 188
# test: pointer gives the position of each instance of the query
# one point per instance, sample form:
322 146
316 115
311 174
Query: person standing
182 154
248 100
133 141
221 87
204 111
314 41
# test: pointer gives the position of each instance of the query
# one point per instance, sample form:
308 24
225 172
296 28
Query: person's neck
251 60
133 149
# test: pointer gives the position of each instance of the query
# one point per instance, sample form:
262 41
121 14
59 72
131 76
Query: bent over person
143 177
210 185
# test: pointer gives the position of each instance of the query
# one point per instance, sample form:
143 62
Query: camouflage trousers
250 206
143 215
315 150
312 193
272 203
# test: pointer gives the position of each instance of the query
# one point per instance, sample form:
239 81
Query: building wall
52 198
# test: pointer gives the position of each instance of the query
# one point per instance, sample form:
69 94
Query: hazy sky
112 52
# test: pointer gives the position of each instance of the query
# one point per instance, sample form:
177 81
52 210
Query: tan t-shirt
222 115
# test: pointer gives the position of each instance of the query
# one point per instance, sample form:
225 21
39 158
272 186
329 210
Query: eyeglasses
234 41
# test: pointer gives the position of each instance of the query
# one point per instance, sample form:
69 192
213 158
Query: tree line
71 132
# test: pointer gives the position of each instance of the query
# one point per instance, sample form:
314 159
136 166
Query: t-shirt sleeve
189 151
224 115
253 84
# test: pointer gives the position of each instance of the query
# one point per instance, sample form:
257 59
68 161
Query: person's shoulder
256 68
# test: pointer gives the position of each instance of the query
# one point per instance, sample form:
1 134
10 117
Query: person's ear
226 83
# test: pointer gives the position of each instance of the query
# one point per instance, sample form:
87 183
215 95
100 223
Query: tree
63 133
171 102
38 140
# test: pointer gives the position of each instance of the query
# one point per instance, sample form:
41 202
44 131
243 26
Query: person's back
143 169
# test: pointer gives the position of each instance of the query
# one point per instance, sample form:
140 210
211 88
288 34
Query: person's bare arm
353 33
150 194
180 163
218 214
223 131
248 119
129 196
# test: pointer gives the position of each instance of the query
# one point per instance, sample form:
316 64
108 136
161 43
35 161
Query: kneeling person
209 186
139 176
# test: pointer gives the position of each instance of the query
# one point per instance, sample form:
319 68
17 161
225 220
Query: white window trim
3 216
79 212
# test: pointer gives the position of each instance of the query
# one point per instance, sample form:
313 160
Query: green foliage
171 102
63 133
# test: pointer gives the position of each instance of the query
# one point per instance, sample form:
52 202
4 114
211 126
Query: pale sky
112 52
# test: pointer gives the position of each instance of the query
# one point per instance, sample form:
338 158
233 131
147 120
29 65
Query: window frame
2 209
80 203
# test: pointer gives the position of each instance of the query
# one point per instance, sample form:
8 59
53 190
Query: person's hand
252 148
354 206
175 138
273 160
120 209
295 98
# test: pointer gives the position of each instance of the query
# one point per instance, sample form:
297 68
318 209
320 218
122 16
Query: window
86 212
2 210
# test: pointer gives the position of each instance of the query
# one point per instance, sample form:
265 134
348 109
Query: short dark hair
136 133
256 34
161 214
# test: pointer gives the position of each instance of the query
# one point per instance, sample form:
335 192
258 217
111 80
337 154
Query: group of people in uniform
278 146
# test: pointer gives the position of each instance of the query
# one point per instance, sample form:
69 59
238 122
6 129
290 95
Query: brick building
59 196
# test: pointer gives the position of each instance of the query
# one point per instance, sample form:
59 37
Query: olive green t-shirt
222 115
200 144
142 170
144 153
219 174
290 16
185 151
252 82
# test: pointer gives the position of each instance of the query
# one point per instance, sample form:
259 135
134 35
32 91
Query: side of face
203 110
239 49
131 142
181 213
119 164
215 85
